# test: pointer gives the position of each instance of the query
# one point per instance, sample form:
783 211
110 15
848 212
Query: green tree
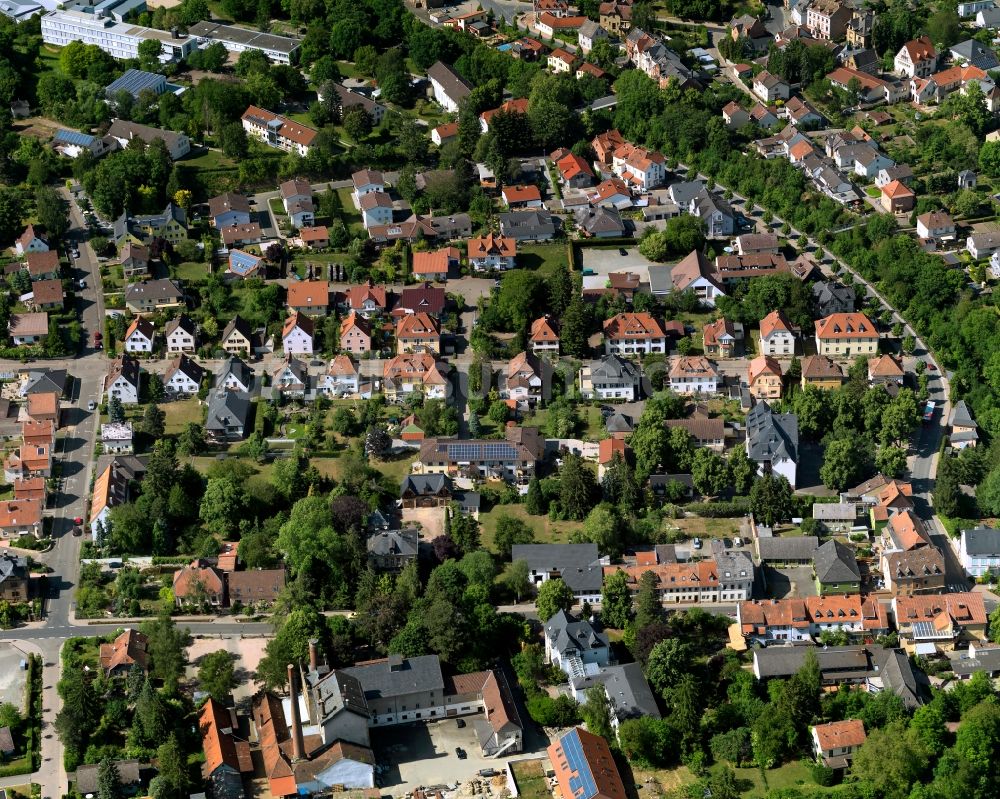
510 531
605 527
771 499
223 504
150 719
742 470
668 661
616 601
153 421
167 649
108 780
534 501
596 712
553 595
576 487
843 463
216 675
891 461
516 578
709 472
647 601
51 212
172 780
9 716
116 411
890 761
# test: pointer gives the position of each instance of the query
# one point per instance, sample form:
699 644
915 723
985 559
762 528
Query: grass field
545 258
753 783
180 413
191 272
708 528
531 782
546 531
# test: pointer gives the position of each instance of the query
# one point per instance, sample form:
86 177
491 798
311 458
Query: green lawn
180 413
191 272
209 159
276 206
531 781
790 775
873 191
545 258
546 531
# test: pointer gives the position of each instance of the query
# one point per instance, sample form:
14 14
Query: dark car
460 723
622 251
460 753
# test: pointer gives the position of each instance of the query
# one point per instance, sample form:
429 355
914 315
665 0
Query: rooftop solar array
135 81
499 451
73 137
581 781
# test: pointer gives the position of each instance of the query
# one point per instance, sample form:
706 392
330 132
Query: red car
78 520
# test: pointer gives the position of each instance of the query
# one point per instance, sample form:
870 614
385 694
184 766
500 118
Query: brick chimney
298 744
313 654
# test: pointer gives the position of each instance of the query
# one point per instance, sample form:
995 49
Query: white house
366 181
979 551
449 87
122 380
183 377
776 336
773 441
982 245
116 438
936 225
916 59
693 375
376 209
140 335
770 88
341 378
234 375
181 335
524 379
30 241
297 335
610 377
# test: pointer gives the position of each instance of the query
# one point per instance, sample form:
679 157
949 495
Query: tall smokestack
298 745
313 654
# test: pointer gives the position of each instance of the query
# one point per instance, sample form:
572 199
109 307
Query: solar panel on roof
581 781
73 137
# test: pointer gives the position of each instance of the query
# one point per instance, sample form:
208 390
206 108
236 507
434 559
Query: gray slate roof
238 368
579 564
835 563
394 542
630 694
976 54
337 691
614 368
226 408
961 416
772 436
12 566
397 676
987 660
982 541
799 547
566 632
424 484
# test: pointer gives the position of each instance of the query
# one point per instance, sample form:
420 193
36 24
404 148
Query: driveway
790 581
429 520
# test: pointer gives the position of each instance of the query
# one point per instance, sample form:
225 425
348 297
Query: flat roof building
279 49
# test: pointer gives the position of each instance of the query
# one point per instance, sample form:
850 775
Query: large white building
103 27
278 49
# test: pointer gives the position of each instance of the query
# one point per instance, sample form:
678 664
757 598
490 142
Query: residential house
314 238
425 491
885 370
47 295
521 197
122 380
376 209
492 252
659 63
297 335
693 375
939 623
297 199
72 144
572 645
900 172
129 649
936 225
229 209
21 517
355 335
309 297
846 335
794 620
610 377
181 335
291 378
836 569
758 244
28 460
448 86
134 260
640 168
254 587
151 296
801 114
390 551
14 577
367 181
527 225
720 338
574 171
117 438
183 377
897 198
277 131
198 584
245 264
822 372
240 235
228 416
524 379
772 441
170 225
694 273
726 577
227 756
342 378
835 517
237 338
634 334
366 299
422 299
30 241
770 88
584 767
910 563
561 61
123 131
140 336
616 17
964 432
601 223
917 58
764 377
112 488
982 245
776 335
979 551
544 336
970 8
42 406
734 115
512 459
716 213
28 328
418 332
416 372
707 431
580 566
834 744
445 134
833 298
435 265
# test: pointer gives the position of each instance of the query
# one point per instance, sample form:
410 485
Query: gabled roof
183 323
846 326
690 268
220 746
772 436
774 321
308 294
835 563
228 202
633 327
299 321
143 327
885 366
847 734
543 330
186 366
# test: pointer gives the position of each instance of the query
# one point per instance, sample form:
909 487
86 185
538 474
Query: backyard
546 531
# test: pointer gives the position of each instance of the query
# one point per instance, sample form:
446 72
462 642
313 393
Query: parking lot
430 521
604 261
423 754
790 581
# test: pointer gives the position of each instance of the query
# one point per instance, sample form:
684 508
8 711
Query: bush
739 506
822 775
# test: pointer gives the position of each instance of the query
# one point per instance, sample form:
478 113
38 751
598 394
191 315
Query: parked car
460 753
91 406
460 723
